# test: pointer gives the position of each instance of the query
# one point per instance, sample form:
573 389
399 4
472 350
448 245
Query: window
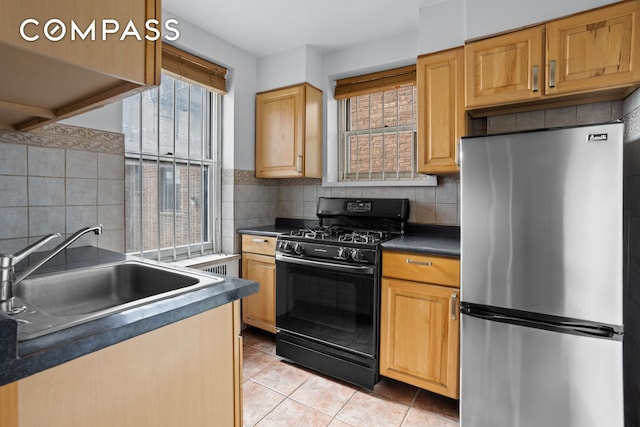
377 126
172 168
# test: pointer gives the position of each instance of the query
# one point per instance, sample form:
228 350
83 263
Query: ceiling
266 27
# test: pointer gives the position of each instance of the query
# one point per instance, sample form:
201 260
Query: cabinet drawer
421 268
264 245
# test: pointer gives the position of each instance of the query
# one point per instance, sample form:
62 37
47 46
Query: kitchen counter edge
424 239
21 359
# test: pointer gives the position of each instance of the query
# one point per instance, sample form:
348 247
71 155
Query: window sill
427 181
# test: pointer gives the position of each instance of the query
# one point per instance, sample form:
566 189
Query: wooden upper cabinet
289 132
45 81
593 55
594 50
504 69
442 119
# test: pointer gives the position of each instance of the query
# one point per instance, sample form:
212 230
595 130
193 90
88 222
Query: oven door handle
358 269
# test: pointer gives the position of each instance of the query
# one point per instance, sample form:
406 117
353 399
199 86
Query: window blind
193 68
375 82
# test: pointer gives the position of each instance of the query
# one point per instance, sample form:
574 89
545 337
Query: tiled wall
248 201
59 179
599 112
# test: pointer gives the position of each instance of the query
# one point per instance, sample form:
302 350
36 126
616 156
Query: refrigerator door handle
600 331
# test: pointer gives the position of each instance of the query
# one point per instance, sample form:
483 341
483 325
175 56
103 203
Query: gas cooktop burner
318 233
369 237
342 234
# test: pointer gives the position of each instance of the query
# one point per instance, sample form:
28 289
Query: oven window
332 307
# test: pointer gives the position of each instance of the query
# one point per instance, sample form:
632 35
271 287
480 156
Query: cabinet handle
454 306
299 164
425 263
535 78
260 240
552 73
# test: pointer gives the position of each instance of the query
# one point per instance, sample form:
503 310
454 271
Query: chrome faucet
8 278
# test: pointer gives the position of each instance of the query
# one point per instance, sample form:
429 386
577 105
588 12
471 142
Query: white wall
107 118
492 16
443 24
238 133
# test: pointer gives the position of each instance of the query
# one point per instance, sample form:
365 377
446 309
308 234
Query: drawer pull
454 307
425 263
260 241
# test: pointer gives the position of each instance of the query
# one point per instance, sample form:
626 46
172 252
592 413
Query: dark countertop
282 226
429 240
426 239
21 359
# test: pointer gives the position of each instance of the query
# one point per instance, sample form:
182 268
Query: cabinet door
504 68
185 373
594 50
441 114
420 335
280 133
259 309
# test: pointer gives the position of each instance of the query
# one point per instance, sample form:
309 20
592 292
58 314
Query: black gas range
328 287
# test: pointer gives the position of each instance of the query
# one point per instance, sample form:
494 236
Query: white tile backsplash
111 191
46 220
13 159
49 184
81 191
46 162
110 166
14 223
82 164
46 191
13 190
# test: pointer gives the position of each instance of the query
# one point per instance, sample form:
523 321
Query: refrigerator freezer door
515 376
541 222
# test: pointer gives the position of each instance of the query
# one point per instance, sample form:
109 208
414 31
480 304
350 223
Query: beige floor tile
323 394
337 423
396 390
423 418
438 404
257 401
266 346
283 377
255 361
291 413
368 410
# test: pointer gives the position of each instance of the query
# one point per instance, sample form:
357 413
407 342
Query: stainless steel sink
61 300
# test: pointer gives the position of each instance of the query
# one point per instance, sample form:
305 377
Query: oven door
329 304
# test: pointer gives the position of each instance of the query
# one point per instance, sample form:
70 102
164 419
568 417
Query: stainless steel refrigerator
542 278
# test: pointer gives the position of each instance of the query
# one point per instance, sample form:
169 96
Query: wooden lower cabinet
259 265
420 325
259 309
186 373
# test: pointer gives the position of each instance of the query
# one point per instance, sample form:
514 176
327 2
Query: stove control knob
357 255
298 248
343 253
284 246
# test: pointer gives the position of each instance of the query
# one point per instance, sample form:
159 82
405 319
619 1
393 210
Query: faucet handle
19 256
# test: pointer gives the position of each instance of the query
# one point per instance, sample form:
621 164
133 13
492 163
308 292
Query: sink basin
60 300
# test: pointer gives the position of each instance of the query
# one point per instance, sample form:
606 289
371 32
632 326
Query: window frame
210 165
337 150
